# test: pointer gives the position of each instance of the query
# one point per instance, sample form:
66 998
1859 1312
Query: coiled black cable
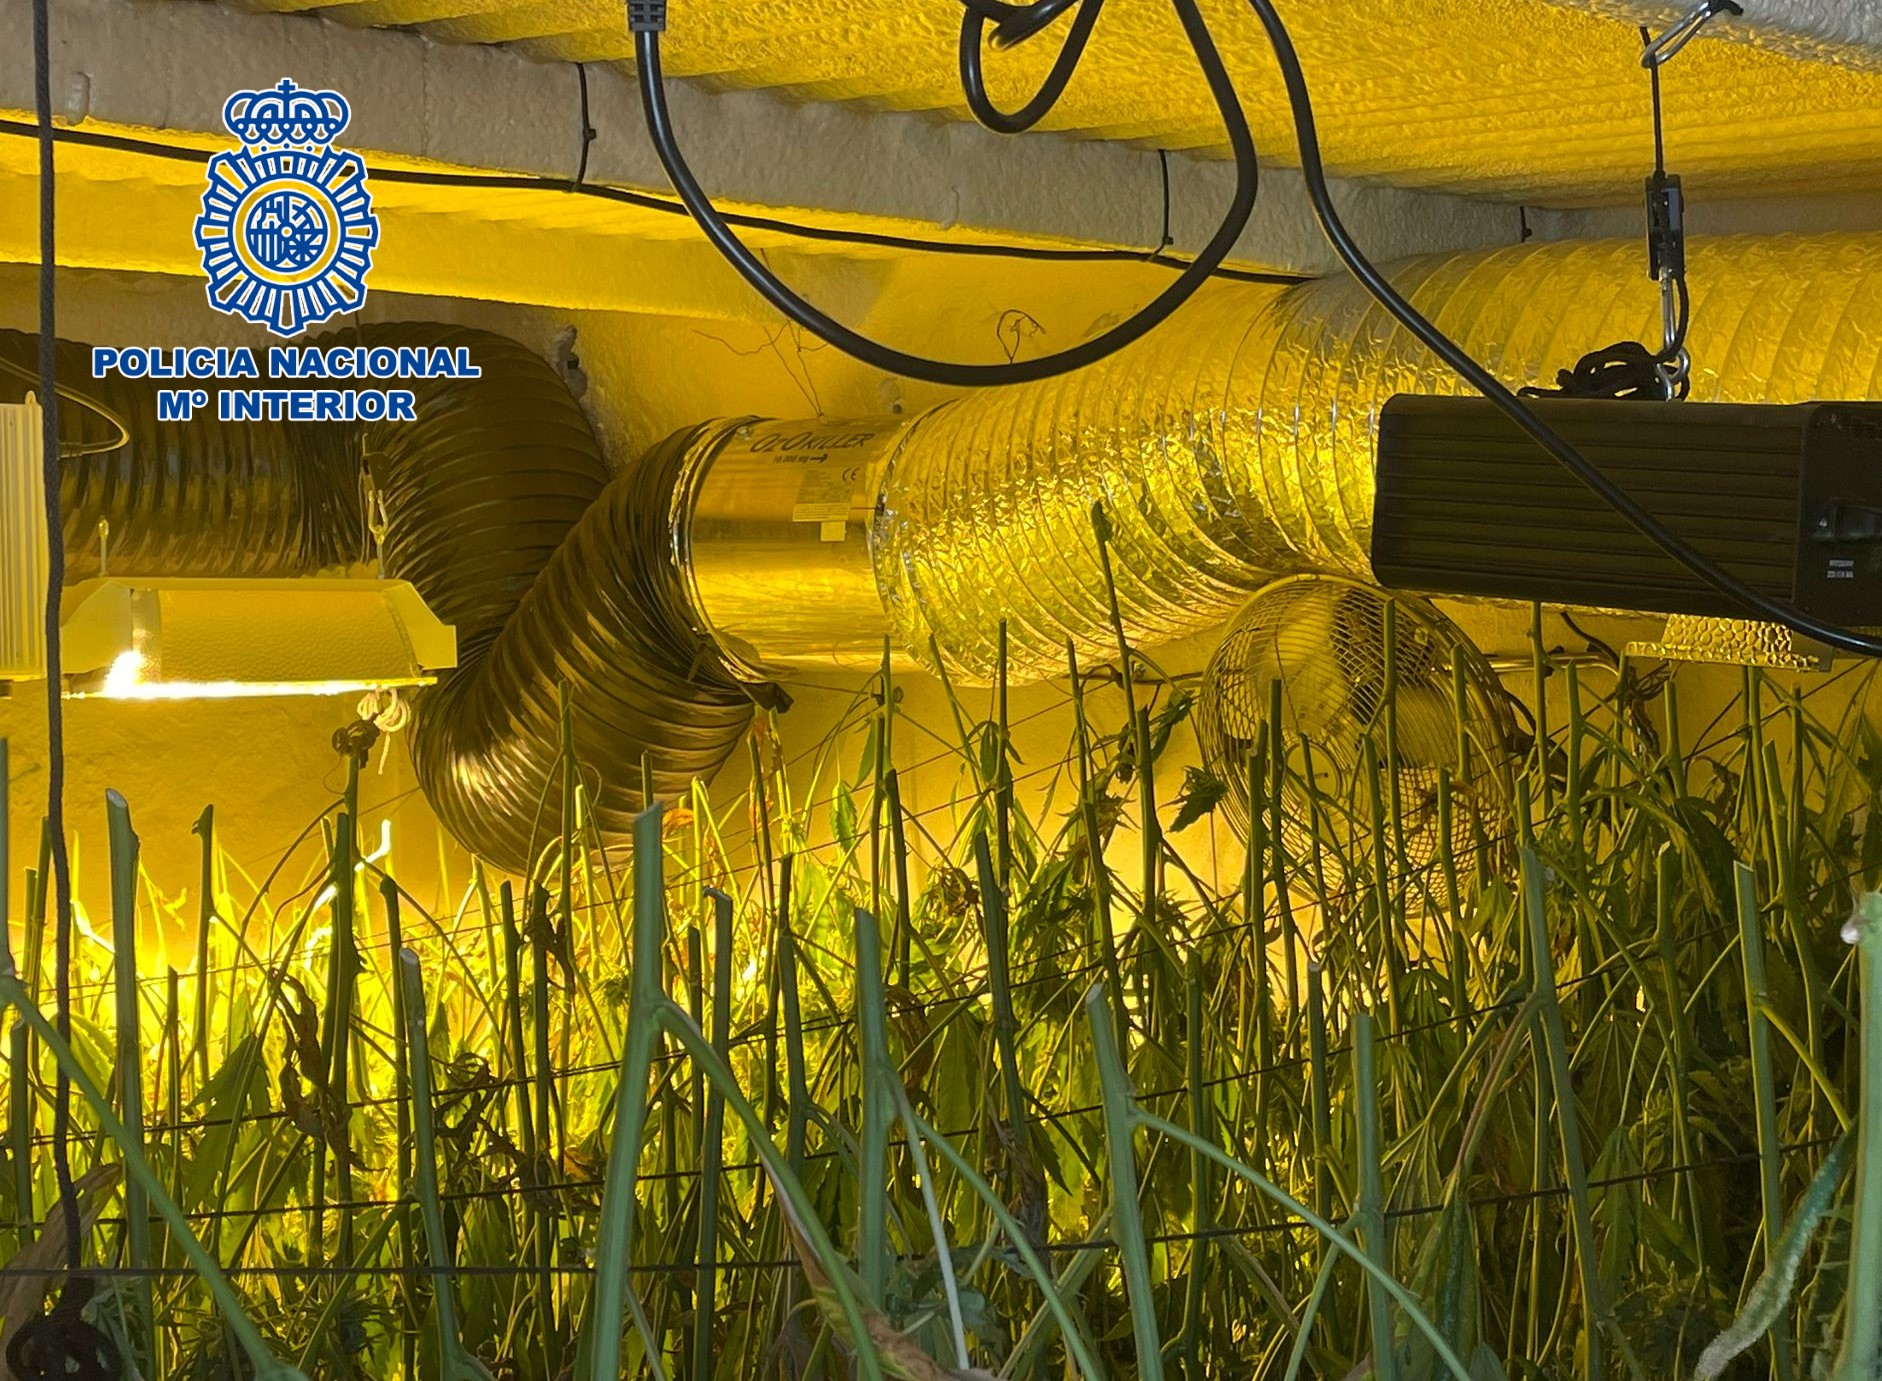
1313 171
974 76
647 20
1014 24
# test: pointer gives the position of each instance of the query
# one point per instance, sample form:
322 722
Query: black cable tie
646 16
588 131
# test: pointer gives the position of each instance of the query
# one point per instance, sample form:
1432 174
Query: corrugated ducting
499 507
500 510
1238 444
200 497
1235 446
771 533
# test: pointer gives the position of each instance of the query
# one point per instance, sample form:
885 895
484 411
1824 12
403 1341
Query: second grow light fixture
1786 497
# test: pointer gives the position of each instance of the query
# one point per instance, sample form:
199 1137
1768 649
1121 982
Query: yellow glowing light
126 674
184 639
125 681
327 893
240 690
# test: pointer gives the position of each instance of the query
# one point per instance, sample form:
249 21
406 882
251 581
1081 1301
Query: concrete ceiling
1539 101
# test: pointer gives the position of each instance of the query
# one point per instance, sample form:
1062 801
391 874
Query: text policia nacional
289 364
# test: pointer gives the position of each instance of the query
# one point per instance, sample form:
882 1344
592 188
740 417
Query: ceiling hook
1667 46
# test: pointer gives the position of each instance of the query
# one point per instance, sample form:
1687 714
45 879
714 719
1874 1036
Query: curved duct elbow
500 509
1240 446
563 578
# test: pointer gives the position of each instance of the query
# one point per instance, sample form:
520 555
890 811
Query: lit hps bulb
125 675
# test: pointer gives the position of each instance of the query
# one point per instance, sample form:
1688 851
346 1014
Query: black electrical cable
647 19
1659 126
1486 383
55 586
587 131
974 76
1014 24
668 206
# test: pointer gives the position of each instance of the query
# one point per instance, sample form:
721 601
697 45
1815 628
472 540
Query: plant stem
600 1358
1666 878
712 1154
455 1361
797 1116
878 1071
1094 852
1127 1223
1320 1094
205 826
130 1062
1764 1092
1862 1323
1202 1211
1568 1123
1371 1216
1005 1026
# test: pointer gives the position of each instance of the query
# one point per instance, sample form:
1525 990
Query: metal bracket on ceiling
1668 45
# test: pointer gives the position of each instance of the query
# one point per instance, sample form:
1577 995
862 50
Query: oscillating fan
1359 677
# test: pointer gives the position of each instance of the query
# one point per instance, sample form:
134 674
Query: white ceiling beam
166 67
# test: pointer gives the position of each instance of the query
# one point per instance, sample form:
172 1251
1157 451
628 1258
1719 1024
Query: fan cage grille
1318 645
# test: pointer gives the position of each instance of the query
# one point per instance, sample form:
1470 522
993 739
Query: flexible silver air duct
1231 448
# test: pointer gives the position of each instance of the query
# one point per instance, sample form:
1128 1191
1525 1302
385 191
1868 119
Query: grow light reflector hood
177 639
168 638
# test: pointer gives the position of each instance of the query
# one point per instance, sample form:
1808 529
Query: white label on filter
826 492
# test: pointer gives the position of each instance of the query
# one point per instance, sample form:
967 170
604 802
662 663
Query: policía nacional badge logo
287 230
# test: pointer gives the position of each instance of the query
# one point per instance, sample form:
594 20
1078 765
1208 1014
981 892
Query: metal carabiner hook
1667 46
